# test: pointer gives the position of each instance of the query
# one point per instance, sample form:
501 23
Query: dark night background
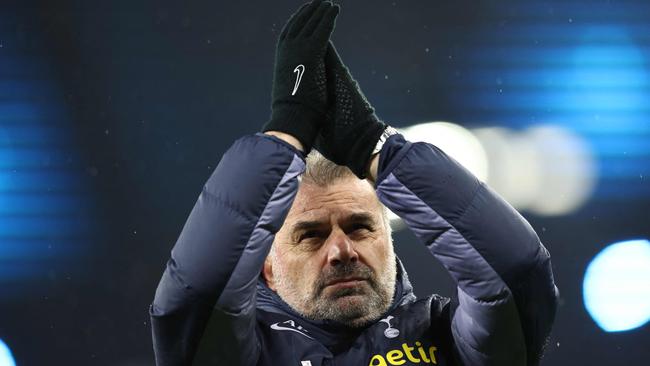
114 114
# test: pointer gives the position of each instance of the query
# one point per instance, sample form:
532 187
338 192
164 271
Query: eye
360 228
308 235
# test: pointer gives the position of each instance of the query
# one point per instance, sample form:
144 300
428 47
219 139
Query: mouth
346 282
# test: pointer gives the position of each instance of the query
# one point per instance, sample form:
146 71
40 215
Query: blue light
47 217
587 72
6 359
616 287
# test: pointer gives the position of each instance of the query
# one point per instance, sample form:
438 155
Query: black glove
299 85
352 129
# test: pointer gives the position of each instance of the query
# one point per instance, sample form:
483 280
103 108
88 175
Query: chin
352 299
354 311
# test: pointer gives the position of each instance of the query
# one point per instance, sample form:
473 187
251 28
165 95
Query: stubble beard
355 306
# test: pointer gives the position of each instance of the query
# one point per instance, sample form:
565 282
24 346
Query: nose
340 249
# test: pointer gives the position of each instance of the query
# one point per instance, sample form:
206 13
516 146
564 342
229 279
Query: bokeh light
6 358
545 169
515 169
616 286
456 141
568 170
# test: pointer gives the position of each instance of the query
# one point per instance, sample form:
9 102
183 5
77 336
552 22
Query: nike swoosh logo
300 69
279 327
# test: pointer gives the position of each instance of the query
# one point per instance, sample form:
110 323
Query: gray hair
323 172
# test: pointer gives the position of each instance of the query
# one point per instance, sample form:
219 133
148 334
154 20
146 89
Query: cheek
376 254
300 271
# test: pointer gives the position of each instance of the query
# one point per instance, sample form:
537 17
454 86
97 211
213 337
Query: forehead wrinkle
352 215
315 203
324 210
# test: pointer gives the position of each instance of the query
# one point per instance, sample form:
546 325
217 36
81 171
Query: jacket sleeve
506 293
216 261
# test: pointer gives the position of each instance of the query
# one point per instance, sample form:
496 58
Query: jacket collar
329 332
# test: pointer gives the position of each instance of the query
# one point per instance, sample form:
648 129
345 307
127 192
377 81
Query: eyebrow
306 225
362 217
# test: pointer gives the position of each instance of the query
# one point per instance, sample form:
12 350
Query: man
330 291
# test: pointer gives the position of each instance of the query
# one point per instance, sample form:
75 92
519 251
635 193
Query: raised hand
300 98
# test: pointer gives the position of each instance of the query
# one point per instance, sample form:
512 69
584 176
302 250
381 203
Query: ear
267 272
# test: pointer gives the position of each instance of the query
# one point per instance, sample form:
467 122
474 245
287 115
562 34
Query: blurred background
114 114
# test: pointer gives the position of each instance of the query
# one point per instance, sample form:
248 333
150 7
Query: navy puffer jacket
212 308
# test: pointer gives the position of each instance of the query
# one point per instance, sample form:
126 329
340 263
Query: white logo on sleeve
299 70
390 332
305 363
291 326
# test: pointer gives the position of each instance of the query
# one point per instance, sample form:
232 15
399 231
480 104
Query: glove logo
300 69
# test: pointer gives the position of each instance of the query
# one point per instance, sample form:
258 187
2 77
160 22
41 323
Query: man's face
333 257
